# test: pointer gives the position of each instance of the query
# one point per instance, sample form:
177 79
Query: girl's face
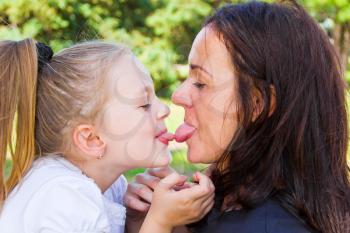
208 96
132 121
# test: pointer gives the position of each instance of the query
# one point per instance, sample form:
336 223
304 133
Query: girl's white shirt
55 196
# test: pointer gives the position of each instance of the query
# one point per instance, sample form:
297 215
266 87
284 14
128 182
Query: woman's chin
198 156
193 157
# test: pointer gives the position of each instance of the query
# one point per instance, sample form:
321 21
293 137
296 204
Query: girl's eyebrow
149 91
194 67
144 91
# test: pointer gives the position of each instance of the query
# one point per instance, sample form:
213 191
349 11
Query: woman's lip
184 132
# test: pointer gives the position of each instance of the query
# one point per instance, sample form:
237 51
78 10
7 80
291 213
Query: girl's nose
163 112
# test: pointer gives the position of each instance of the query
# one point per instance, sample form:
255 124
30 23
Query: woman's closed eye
199 85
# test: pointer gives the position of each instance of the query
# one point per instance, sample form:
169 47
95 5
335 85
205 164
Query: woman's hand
172 208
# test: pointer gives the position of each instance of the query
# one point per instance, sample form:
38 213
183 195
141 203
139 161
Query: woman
265 105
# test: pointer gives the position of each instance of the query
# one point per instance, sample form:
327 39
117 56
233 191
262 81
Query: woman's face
132 121
208 96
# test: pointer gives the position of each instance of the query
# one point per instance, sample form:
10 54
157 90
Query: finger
207 209
171 180
141 191
203 210
200 190
160 172
207 201
134 203
148 180
203 201
184 186
204 180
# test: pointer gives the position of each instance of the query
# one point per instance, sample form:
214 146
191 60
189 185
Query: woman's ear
272 100
87 142
258 102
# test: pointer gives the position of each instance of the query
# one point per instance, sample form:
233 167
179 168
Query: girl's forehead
130 77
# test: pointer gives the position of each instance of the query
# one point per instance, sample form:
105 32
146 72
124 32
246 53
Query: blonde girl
73 123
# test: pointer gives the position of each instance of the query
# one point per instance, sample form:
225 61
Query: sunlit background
160 33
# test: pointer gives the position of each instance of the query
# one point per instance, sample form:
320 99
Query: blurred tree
160 32
334 17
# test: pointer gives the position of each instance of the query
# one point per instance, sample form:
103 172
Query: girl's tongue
184 132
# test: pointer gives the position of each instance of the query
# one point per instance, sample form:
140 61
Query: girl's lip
161 132
165 137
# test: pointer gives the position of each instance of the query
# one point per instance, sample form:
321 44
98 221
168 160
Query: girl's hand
172 208
140 192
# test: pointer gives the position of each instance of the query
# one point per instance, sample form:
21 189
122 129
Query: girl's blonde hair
38 110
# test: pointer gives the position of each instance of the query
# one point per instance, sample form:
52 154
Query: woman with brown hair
265 105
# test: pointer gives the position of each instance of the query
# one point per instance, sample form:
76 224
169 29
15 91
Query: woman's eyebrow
194 67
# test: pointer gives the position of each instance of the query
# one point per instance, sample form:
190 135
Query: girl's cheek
141 145
122 121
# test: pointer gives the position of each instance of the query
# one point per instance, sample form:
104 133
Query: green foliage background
160 32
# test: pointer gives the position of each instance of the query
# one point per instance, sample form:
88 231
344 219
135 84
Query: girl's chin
164 158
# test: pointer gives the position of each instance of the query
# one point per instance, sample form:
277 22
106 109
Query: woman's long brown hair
297 154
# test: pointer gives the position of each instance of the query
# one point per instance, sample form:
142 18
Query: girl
82 118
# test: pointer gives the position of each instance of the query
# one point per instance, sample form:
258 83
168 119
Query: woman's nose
182 95
163 112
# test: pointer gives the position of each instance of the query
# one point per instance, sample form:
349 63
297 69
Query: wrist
157 223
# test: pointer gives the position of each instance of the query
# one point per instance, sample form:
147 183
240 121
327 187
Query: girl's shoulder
55 195
67 203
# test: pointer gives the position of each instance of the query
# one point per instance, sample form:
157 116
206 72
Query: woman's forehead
209 52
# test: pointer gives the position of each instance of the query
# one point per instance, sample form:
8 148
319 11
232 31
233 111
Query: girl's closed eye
199 85
146 106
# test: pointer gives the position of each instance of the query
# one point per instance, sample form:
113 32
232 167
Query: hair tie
45 54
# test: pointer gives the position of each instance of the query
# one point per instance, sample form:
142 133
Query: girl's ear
87 142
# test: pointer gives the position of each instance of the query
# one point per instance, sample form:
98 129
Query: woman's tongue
184 132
